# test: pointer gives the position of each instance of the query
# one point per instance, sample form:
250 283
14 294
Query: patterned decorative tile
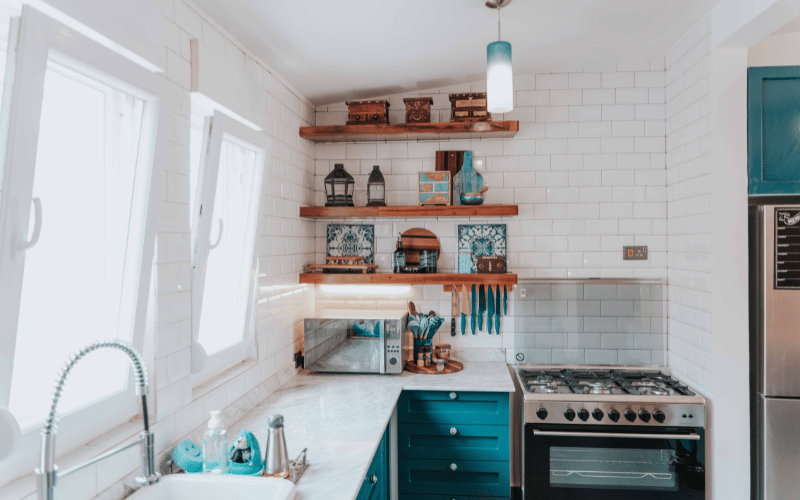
481 240
351 240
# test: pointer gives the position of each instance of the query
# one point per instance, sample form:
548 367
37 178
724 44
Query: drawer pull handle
453 395
374 479
453 467
453 431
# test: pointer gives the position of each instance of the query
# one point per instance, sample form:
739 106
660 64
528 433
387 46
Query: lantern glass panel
339 186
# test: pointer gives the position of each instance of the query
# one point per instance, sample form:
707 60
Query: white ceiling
332 50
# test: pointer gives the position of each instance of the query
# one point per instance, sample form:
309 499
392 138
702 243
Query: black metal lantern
339 186
376 188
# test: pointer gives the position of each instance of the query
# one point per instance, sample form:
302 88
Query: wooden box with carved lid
367 112
469 108
418 109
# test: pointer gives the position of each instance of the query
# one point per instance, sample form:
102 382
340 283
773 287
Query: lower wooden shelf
447 279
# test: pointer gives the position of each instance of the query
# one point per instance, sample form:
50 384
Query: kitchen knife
464 308
497 312
474 311
505 300
481 306
453 311
490 304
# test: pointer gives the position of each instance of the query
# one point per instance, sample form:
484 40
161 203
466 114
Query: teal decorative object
351 240
188 455
244 457
471 198
471 180
487 240
434 188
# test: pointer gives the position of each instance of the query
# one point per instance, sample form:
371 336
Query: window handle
21 246
219 237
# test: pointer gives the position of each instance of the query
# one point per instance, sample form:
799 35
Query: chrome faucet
47 473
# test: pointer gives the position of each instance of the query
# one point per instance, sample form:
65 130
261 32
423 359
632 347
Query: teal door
773 130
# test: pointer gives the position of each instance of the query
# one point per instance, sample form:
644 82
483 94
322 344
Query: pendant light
499 74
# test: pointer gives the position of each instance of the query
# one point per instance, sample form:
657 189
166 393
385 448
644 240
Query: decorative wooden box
434 188
418 109
469 108
367 112
491 265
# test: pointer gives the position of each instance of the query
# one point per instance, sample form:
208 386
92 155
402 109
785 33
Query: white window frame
216 129
40 39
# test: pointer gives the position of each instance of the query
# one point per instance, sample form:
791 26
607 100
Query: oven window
605 468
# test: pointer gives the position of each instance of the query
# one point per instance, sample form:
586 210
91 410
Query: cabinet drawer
454 441
447 497
476 478
442 407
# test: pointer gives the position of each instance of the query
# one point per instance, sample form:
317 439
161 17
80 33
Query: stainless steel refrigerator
775 350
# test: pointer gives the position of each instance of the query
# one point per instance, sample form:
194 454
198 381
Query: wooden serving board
418 239
450 367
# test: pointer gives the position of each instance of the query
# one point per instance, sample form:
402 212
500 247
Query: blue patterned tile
351 240
481 240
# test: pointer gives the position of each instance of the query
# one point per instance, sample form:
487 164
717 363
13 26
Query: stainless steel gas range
610 432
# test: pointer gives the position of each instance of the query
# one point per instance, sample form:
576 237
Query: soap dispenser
215 446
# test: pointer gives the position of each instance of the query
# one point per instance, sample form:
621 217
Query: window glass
227 275
195 145
75 287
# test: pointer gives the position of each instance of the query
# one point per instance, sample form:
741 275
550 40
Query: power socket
634 253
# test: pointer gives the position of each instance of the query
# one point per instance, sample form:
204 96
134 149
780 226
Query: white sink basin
212 487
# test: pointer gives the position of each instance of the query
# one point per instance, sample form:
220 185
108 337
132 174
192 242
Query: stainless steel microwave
358 341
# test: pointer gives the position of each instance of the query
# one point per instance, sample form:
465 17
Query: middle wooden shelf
409 211
446 279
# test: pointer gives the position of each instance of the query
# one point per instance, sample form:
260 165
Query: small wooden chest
418 109
367 112
492 265
469 108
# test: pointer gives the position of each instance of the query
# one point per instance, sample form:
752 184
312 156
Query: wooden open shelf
411 131
409 211
447 279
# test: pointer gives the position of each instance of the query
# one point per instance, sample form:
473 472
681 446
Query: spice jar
420 360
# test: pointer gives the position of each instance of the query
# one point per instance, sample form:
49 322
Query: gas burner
598 388
548 389
660 377
658 391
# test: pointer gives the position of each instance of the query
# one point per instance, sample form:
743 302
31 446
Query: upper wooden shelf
447 279
410 131
409 211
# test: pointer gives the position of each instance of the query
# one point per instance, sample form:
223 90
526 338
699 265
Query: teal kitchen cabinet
773 130
376 483
453 445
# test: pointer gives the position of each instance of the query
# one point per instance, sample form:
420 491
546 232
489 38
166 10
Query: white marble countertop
341 419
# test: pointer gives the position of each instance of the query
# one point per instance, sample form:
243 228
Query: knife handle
453 327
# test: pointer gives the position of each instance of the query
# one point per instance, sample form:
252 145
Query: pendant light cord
498 21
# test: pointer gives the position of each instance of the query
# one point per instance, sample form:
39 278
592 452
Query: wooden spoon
483 190
412 309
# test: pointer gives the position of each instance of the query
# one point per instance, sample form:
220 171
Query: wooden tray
344 265
450 367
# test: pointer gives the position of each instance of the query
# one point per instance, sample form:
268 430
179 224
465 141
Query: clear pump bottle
215 446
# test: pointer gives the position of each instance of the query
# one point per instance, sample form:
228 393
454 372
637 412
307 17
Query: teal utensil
481 307
474 310
497 312
505 301
490 314
463 323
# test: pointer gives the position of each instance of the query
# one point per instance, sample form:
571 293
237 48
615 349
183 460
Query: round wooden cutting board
418 239
449 367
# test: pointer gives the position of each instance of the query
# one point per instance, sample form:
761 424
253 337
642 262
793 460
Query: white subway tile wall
286 245
689 257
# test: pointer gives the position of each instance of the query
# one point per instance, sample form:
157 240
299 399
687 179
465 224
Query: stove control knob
613 415
583 415
630 415
644 415
659 416
541 413
598 414
569 414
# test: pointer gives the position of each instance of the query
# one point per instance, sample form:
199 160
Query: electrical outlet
298 359
634 253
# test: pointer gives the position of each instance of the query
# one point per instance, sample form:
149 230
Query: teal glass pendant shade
499 77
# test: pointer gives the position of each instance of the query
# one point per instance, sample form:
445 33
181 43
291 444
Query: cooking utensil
473 311
453 311
464 308
412 309
505 300
481 306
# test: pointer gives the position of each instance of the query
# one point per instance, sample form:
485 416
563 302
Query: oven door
613 462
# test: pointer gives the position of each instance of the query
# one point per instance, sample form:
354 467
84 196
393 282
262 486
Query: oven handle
689 437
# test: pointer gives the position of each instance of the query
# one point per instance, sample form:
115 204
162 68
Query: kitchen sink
213 487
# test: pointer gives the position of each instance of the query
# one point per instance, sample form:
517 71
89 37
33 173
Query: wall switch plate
634 253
